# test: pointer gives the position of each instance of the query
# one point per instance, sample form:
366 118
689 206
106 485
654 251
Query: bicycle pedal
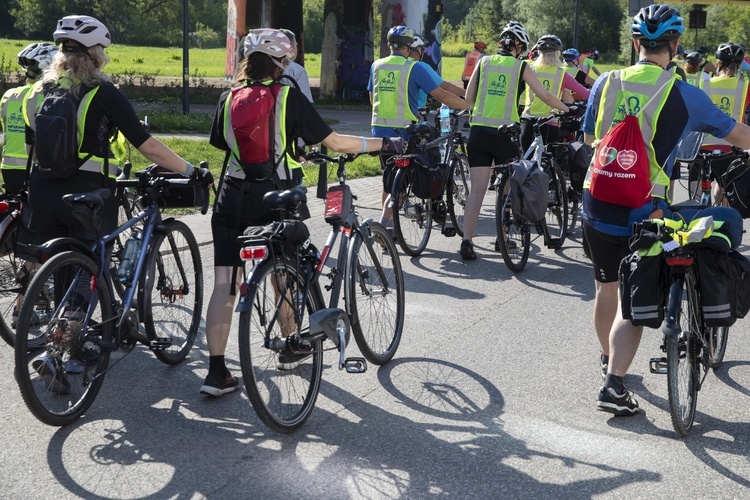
355 365
449 232
554 243
160 344
658 365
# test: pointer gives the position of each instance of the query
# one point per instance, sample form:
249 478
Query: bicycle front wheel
282 396
10 288
716 337
513 236
60 380
412 217
458 190
173 293
557 206
375 294
683 353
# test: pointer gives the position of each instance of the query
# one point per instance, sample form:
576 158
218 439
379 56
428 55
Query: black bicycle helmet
549 43
657 23
730 52
694 58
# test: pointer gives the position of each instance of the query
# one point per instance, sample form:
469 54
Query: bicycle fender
165 225
46 250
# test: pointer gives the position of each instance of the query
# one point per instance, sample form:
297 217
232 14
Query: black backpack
736 182
56 135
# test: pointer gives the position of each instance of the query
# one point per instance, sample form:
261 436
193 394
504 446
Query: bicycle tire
716 337
283 399
513 236
173 292
9 286
412 217
53 389
682 352
376 316
458 190
556 216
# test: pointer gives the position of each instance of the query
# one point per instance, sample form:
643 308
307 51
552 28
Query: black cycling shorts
486 146
606 252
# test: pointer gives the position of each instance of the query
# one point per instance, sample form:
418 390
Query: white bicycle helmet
37 57
418 42
82 29
272 42
517 30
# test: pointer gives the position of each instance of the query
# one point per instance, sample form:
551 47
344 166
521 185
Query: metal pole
185 61
575 24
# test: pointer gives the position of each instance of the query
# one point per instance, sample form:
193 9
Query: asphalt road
491 395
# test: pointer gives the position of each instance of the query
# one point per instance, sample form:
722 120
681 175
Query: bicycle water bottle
129 257
445 127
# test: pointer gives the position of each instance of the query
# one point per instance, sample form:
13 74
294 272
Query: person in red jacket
471 60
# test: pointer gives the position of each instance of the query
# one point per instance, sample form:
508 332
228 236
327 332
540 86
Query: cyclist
394 85
297 71
416 51
587 62
550 71
492 108
242 125
471 59
34 59
675 110
694 75
570 56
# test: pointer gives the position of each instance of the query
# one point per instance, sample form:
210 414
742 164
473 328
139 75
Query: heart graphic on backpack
607 155
627 158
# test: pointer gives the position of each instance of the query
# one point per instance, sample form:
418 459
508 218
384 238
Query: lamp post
185 61
575 23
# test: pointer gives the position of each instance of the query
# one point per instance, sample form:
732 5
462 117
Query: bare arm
449 99
351 143
588 139
536 86
471 89
453 89
739 136
157 152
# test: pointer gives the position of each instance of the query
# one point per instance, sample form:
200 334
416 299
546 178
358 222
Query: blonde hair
80 67
547 59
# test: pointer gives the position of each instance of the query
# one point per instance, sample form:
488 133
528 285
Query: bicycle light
402 162
4 207
253 253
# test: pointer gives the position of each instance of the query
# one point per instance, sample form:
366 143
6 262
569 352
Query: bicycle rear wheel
282 398
458 190
557 205
683 352
10 288
412 217
513 236
716 337
375 306
60 380
173 292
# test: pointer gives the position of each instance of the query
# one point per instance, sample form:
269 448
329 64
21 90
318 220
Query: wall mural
424 17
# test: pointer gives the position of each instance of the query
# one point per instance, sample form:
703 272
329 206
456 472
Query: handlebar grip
206 198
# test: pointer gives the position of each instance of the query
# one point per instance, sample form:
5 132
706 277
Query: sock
605 359
613 381
216 365
386 222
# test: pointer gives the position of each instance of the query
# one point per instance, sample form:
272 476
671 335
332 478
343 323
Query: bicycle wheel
458 190
574 199
9 285
557 206
513 236
61 379
375 303
173 292
412 218
716 337
683 353
283 399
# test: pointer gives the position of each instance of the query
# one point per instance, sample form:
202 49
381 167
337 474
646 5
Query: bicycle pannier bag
427 181
529 188
620 171
736 182
579 159
739 270
643 287
716 287
56 133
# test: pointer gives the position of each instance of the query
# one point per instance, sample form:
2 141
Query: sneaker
603 364
290 361
216 386
50 368
621 405
77 363
467 250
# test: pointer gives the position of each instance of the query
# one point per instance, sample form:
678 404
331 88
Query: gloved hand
392 145
203 175
575 110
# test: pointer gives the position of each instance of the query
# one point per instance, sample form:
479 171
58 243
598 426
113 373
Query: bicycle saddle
509 127
92 199
421 128
289 198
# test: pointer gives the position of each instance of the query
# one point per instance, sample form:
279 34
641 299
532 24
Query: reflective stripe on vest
31 104
551 79
280 140
496 102
390 92
94 163
728 93
639 82
11 115
471 61
694 79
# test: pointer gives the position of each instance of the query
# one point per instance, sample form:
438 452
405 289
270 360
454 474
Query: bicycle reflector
679 261
402 162
253 253
4 207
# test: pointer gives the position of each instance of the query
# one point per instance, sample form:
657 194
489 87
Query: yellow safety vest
390 92
551 79
497 101
728 93
11 118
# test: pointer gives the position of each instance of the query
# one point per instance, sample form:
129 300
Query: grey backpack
529 188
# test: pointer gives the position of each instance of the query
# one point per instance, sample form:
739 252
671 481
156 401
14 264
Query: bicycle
413 216
283 320
513 234
60 378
